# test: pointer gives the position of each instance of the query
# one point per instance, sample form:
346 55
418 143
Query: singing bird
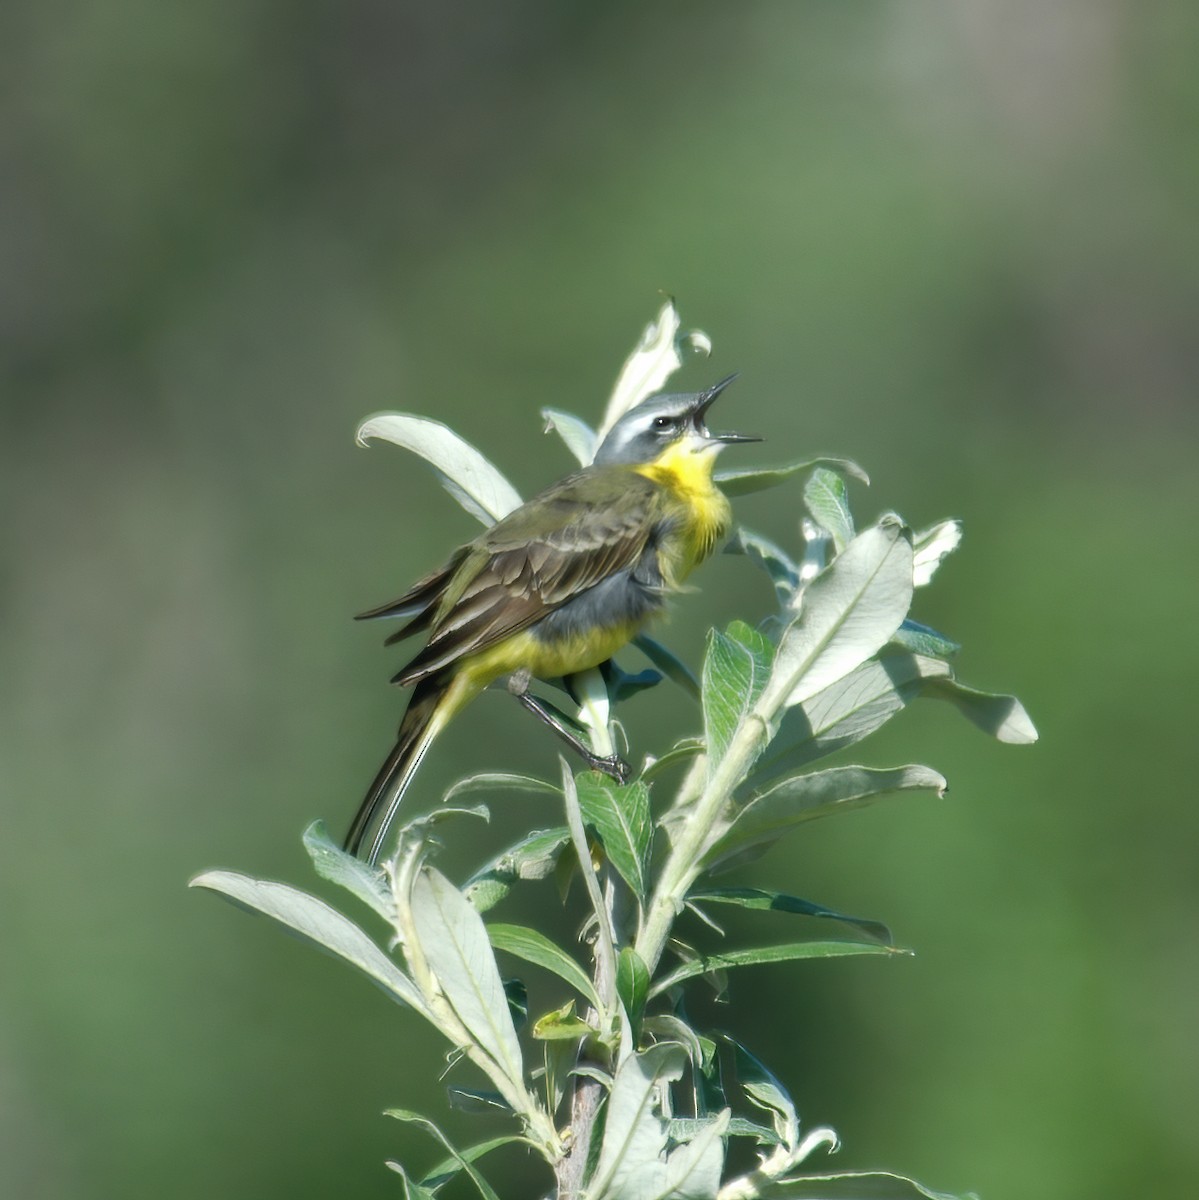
558 585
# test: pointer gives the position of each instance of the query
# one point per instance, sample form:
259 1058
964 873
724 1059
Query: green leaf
561 1025
536 948
759 955
769 816
1003 717
467 475
668 663
622 684
741 481
500 781
846 711
454 941
621 818
769 900
778 565
579 437
445 1170
464 1163
632 986
681 752
920 639
765 1091
850 610
736 669
827 499
857 1185
533 857
693 1170
315 922
476 1101
368 883
931 546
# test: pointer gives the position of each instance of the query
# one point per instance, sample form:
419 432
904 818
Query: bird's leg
611 765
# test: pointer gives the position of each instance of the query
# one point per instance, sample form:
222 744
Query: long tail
434 701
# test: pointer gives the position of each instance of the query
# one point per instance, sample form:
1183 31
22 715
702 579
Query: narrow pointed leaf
621 817
500 781
741 481
681 752
368 883
768 900
761 955
412 1118
316 922
801 798
858 1185
765 1091
577 434
455 943
762 552
445 1170
632 986
736 668
536 948
668 663
849 611
467 475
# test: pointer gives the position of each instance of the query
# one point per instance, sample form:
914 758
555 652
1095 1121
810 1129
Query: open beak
706 401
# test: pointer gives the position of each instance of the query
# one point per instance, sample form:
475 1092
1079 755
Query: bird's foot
611 765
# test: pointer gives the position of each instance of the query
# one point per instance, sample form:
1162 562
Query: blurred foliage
956 243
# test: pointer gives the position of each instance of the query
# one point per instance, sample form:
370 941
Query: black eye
664 422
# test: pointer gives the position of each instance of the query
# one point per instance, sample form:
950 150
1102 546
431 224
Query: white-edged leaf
467 475
500 781
827 499
621 817
930 547
920 639
1003 717
656 357
850 610
741 481
579 437
454 941
736 668
314 921
412 1118
801 798
445 1170
770 900
632 1162
693 1170
333 863
536 948
765 1091
858 1185
533 857
668 663
755 956
762 552
846 711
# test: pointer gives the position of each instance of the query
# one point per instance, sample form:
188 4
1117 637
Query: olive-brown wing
583 530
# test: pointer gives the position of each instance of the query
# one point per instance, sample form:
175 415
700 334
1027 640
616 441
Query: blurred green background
956 242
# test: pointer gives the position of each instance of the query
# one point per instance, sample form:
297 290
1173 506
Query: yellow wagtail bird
557 586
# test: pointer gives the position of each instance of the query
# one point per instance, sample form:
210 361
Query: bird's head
667 421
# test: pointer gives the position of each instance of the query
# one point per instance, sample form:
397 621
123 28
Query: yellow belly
547 659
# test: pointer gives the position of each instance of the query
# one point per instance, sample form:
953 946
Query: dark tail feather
390 784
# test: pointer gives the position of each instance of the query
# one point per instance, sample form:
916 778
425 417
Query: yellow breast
704 515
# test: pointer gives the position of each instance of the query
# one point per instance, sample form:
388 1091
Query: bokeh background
955 241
